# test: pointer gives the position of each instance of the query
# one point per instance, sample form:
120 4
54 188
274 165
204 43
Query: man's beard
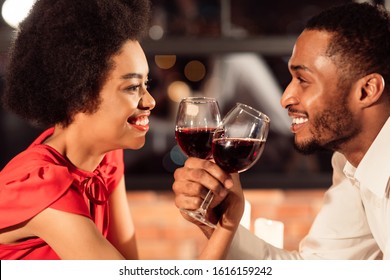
332 129
309 147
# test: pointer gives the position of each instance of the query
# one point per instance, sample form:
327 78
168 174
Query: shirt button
357 183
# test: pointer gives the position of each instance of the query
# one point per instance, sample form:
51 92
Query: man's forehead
309 46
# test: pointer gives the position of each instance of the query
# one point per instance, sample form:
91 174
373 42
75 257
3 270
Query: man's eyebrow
299 67
131 76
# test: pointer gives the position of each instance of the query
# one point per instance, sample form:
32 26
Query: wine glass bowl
196 120
239 140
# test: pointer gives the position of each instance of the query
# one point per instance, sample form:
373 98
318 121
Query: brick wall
162 233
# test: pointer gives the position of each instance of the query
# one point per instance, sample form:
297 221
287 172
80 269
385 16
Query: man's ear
372 87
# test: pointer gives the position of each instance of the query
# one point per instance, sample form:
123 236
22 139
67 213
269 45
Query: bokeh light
156 32
178 90
15 11
165 61
195 71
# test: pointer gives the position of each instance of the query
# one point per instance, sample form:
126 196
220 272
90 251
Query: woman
76 67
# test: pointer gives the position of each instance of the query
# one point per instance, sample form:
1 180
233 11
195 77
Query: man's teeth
299 120
142 121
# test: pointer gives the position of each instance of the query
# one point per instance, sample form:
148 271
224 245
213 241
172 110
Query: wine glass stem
206 203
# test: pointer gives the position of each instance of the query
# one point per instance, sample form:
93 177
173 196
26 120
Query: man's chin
308 148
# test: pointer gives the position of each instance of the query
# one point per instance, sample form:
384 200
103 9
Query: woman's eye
138 87
133 88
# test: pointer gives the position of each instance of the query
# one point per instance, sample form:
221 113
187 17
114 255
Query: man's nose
288 98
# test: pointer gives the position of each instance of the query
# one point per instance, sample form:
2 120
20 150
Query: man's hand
191 185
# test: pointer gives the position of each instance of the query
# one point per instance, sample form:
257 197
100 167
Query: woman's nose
147 101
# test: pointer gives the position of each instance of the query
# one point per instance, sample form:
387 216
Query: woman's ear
372 87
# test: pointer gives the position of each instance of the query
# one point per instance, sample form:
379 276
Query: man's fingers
208 174
188 202
189 188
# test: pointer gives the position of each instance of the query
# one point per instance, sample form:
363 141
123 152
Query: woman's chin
136 144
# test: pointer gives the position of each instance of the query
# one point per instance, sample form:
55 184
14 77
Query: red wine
235 155
195 142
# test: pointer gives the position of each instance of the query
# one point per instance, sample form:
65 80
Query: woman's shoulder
30 182
38 158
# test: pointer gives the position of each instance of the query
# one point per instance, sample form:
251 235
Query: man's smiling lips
298 120
297 123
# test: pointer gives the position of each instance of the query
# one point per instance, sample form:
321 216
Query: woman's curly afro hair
62 54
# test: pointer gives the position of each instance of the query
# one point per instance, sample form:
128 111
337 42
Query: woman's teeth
141 121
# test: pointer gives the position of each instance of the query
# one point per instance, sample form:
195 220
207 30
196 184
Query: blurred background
233 50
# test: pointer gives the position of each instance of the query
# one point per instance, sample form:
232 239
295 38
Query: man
338 100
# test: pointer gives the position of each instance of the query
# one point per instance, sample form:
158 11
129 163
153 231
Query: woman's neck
77 146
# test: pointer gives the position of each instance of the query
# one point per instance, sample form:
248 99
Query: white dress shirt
354 221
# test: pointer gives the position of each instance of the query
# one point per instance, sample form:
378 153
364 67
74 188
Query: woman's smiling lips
140 122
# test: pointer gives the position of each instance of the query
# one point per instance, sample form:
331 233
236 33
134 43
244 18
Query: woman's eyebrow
131 76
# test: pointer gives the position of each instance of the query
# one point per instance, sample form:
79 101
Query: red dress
39 178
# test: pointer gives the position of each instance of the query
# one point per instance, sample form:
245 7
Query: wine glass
196 121
240 139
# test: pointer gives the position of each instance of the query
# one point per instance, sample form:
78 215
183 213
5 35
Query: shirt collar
374 169
349 171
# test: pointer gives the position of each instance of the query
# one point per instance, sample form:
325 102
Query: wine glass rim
198 99
260 115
